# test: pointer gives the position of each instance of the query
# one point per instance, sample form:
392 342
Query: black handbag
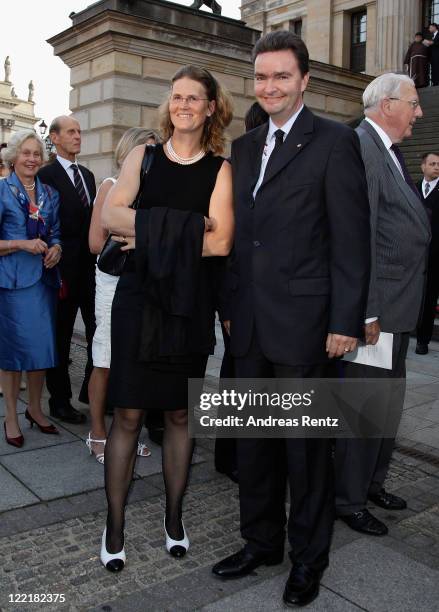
112 259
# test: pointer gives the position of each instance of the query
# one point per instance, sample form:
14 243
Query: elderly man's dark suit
399 239
300 270
425 327
77 268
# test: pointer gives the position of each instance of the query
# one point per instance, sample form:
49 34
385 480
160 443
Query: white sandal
89 442
143 450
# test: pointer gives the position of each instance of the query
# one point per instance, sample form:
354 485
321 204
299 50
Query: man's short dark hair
283 40
424 157
418 34
435 25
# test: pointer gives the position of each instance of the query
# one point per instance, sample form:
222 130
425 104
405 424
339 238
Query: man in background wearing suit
301 270
77 190
434 52
400 234
429 190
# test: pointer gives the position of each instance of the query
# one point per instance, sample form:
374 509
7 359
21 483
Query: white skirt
105 290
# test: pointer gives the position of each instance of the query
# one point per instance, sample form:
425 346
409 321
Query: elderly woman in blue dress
29 280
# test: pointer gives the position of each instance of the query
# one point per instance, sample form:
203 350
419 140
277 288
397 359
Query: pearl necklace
184 161
30 187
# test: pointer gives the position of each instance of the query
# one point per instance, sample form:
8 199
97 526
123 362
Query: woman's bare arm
219 240
117 217
97 233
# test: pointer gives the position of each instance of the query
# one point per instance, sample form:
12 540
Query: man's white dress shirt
432 186
270 142
67 165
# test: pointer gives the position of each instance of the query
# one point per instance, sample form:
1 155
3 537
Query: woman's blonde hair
11 152
130 139
213 138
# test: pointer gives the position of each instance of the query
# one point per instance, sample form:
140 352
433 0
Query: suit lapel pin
299 145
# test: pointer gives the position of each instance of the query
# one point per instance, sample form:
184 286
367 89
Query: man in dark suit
400 237
77 189
429 190
301 271
434 52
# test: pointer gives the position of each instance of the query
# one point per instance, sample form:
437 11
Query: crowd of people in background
310 237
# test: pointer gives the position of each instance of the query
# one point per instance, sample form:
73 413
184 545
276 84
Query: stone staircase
425 133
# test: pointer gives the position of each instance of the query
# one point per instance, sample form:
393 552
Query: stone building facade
122 55
368 36
15 113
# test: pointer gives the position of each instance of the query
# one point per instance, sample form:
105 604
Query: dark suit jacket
75 220
434 50
431 203
301 253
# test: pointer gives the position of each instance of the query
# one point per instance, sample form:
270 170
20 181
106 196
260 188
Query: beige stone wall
327 27
121 66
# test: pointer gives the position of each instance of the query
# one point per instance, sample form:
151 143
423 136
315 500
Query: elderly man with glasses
400 235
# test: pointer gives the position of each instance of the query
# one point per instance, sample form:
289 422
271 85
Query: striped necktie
79 185
427 189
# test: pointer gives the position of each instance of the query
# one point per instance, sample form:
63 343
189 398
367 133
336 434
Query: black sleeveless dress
162 384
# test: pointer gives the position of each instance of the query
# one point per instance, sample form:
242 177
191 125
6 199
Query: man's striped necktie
79 185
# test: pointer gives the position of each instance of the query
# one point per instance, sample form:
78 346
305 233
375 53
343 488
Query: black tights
120 458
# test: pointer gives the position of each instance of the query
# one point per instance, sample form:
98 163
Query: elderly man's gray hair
385 86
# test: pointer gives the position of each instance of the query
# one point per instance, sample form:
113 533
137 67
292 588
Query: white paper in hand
378 355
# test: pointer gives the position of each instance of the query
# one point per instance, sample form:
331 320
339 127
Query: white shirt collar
65 163
381 133
286 127
432 183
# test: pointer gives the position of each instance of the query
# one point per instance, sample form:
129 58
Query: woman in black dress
163 310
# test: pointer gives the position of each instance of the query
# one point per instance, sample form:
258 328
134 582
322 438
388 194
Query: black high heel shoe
45 429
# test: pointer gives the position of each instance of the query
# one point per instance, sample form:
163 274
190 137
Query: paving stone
13 493
427 435
387 581
145 466
267 595
411 421
33 439
21 406
53 471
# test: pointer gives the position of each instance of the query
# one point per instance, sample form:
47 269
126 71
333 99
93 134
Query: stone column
319 38
371 41
397 22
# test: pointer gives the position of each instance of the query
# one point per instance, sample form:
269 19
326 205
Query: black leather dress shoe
68 414
365 522
244 562
388 500
421 348
302 585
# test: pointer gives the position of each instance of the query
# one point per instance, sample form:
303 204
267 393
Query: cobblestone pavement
53 546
